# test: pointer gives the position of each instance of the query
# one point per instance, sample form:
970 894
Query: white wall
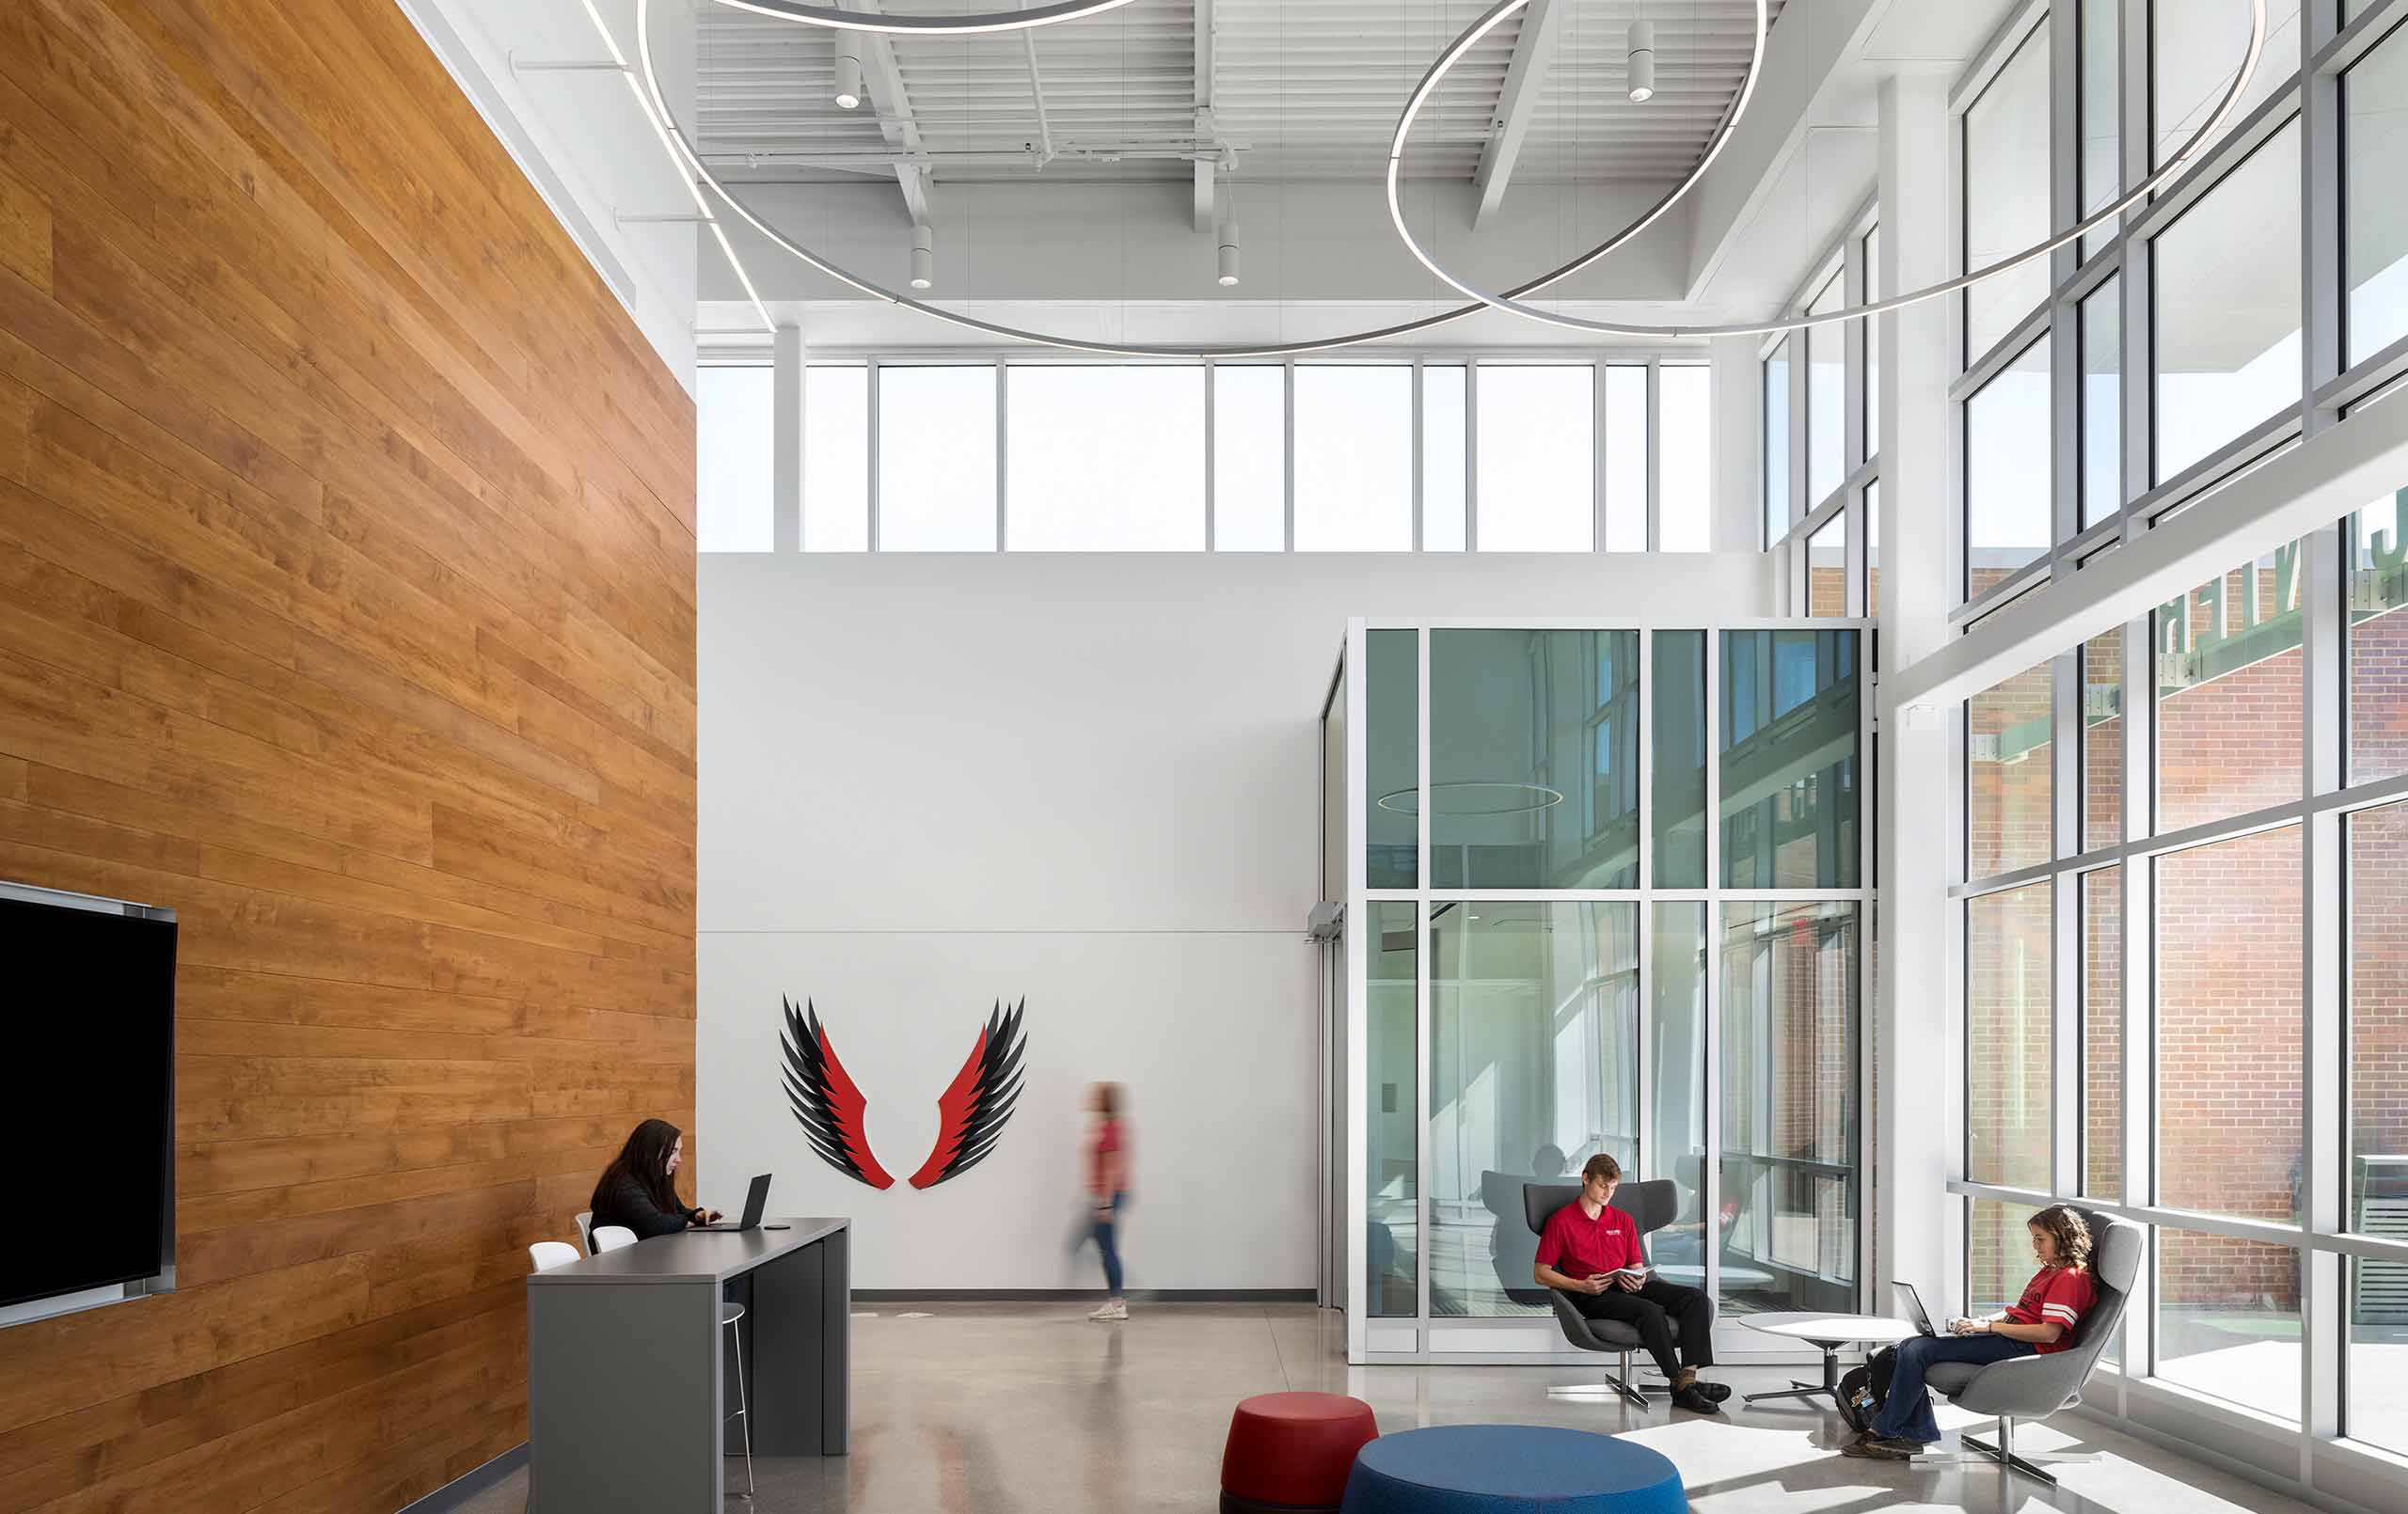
931 782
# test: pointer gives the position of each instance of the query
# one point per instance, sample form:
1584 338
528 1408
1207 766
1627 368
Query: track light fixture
849 70
924 258
1643 62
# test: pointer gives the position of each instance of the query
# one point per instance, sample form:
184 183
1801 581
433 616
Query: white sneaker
1113 1309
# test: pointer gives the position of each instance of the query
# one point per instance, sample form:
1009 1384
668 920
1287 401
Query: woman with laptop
636 1190
1892 1413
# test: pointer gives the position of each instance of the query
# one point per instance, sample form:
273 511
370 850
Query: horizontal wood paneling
346 606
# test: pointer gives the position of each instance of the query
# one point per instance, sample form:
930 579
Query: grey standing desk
630 1379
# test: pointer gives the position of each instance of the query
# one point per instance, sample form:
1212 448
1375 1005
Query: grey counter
630 1377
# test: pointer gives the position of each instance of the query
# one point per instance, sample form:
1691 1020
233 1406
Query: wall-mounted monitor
90 1085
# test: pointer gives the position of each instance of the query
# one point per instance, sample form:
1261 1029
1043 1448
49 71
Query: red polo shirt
1577 1246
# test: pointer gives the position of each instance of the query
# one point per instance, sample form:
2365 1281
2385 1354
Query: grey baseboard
1080 1294
456 1494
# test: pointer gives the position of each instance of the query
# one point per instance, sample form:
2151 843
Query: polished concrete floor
1030 1409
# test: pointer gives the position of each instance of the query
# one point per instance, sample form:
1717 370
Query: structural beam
1205 132
2299 490
1516 103
892 102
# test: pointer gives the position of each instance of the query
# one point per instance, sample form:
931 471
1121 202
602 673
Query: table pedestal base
1827 1388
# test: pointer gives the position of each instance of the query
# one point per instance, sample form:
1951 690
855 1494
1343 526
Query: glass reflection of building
1553 948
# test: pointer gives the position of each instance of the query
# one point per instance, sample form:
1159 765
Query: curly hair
2071 1232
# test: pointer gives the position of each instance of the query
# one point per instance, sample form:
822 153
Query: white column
1920 797
786 465
1738 446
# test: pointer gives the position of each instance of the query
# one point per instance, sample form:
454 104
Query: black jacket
620 1200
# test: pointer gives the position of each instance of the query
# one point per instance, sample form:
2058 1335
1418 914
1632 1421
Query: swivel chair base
2003 1453
1622 1384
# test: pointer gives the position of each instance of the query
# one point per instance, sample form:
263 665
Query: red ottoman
1291 1452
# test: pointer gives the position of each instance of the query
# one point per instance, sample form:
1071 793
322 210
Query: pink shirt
1106 1143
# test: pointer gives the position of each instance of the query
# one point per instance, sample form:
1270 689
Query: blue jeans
1105 1243
1906 1411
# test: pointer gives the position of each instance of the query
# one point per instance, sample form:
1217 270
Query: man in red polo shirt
1590 1252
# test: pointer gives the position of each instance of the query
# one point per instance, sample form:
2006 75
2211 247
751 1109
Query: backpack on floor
1854 1384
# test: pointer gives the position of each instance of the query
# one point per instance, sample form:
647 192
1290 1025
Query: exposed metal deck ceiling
1294 89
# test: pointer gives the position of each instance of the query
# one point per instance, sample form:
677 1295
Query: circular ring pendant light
683 148
891 23
1512 300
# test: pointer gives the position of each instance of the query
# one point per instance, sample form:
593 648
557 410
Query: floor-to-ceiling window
2182 996
2259 1134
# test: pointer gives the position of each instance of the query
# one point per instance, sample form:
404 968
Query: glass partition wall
1607 891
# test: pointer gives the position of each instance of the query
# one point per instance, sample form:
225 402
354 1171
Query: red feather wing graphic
971 1111
825 1101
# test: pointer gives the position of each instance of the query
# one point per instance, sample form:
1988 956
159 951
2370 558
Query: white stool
728 1315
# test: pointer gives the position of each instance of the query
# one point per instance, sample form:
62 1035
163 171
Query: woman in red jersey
1895 1419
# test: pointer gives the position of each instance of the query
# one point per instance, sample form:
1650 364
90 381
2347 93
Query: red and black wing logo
971 1112
826 1103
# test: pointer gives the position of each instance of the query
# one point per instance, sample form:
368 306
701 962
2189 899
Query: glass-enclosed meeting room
1607 889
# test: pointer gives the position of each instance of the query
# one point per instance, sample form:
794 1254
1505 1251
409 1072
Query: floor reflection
1023 1409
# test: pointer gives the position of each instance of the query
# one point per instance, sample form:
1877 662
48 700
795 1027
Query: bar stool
728 1316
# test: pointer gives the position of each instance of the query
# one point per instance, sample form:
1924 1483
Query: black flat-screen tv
89 1080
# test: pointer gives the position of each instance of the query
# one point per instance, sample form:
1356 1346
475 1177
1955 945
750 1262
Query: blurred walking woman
1108 1187
637 1191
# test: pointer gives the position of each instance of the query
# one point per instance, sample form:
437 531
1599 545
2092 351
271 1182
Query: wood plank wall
346 606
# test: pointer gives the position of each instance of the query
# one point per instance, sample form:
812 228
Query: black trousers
1660 1311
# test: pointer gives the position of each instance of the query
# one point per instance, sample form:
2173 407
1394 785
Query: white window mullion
1710 1180
1420 424
2325 1333
2323 1048
1288 455
2067 954
870 463
1426 1161
1212 482
1597 444
1471 455
2139 975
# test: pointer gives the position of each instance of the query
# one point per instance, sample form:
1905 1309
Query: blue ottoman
1510 1468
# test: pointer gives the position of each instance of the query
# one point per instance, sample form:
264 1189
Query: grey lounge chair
2034 1387
1651 1205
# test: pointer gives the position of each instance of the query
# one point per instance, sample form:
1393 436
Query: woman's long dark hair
645 1159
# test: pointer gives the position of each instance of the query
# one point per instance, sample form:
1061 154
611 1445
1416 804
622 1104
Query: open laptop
756 1200
1915 1310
